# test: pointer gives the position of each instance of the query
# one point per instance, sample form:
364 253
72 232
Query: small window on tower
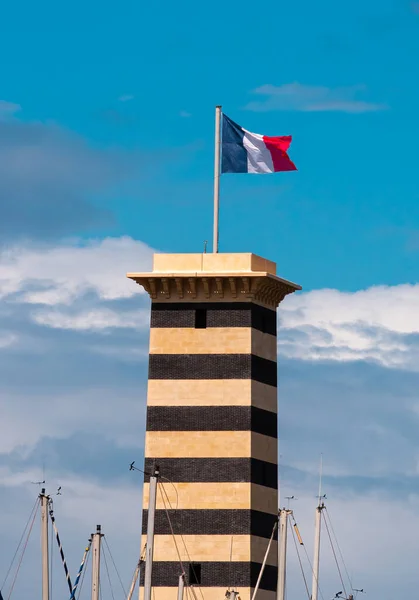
264 324
194 573
200 318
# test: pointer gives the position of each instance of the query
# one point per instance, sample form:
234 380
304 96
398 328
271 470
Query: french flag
245 152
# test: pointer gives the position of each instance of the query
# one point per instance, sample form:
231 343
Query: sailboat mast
317 532
44 544
316 557
181 587
96 546
134 580
150 534
282 552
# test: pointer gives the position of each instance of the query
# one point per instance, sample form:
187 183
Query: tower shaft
212 421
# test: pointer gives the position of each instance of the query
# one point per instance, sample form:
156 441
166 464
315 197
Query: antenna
279 481
205 246
132 467
289 498
321 496
320 476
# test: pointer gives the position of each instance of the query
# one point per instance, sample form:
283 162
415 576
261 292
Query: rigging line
60 546
108 574
115 567
23 553
20 542
301 564
85 570
174 487
334 554
340 551
188 555
183 541
171 528
229 566
309 562
192 590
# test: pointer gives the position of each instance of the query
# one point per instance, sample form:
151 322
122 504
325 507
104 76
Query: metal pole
217 175
44 544
150 535
134 580
96 544
76 583
181 587
316 557
282 552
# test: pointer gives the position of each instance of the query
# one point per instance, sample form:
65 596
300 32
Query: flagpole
217 175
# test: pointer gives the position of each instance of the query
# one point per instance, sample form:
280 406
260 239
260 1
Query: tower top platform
214 277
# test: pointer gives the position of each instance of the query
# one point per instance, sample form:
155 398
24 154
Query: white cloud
58 275
96 319
126 97
311 98
374 324
116 412
8 108
7 339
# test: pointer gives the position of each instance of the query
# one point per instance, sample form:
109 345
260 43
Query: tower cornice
214 277
260 287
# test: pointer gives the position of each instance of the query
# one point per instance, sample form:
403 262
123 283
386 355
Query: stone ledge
261 287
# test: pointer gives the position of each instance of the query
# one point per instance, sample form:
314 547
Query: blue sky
106 154
351 207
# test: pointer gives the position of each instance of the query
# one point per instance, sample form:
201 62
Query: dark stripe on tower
211 418
223 574
213 522
219 470
212 366
222 314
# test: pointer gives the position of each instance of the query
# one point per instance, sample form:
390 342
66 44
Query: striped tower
212 420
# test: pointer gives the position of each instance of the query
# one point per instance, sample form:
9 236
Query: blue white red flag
245 152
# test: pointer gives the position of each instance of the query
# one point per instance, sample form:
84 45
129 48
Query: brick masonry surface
188 431
201 470
225 574
210 418
223 314
212 366
213 522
